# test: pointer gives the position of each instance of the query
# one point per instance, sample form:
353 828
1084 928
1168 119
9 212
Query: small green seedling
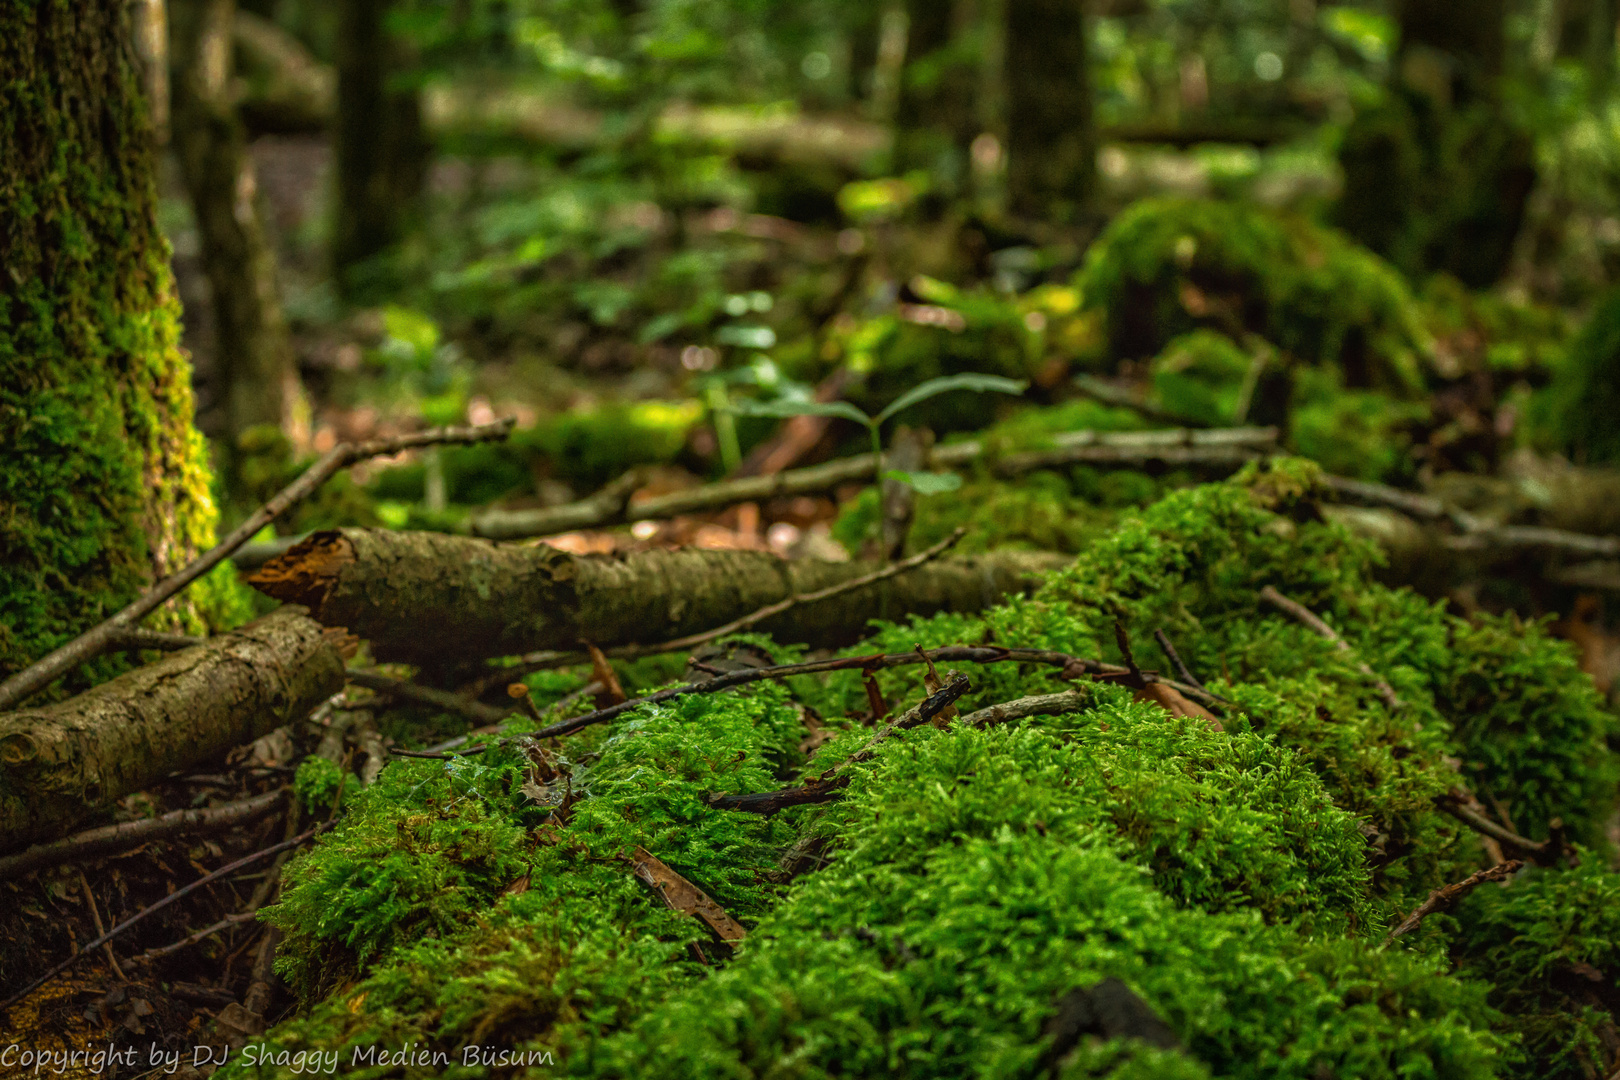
923 483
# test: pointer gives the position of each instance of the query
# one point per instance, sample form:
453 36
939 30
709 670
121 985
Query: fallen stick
430 598
153 909
66 761
1304 615
613 505
1546 852
98 639
189 940
128 835
466 707
1447 896
1476 533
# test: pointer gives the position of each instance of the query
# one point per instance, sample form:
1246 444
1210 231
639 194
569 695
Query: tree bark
433 599
380 150
1051 137
103 480
65 762
258 380
935 120
1438 177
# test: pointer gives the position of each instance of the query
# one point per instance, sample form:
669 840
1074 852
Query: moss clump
969 894
103 479
1307 290
1549 944
1587 391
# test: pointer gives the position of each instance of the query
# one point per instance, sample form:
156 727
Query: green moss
1307 290
104 480
1587 391
1539 940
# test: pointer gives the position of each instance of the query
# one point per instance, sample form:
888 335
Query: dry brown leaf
685 897
1175 703
934 684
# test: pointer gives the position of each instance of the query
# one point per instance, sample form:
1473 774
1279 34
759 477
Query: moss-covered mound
1238 881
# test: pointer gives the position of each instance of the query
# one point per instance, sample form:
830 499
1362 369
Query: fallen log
62 763
1220 447
430 598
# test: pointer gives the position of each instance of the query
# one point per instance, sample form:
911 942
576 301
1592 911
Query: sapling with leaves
924 483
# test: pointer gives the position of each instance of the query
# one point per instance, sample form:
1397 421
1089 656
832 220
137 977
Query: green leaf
784 407
933 387
926 483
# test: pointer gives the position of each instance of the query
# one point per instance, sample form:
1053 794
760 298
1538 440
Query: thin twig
152 909
125 836
827 786
1302 614
1445 897
161 951
1073 667
1543 852
465 707
1175 659
98 639
101 929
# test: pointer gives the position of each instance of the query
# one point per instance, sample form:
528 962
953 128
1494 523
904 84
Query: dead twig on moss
98 639
1548 852
1447 896
465 707
828 786
1305 616
152 909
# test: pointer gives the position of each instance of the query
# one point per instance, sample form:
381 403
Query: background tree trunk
380 150
103 479
254 360
1051 136
936 119
1435 179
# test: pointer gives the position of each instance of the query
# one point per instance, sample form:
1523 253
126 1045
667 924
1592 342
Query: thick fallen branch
127 835
1304 615
1447 896
109 634
1474 533
66 761
434 599
1226 447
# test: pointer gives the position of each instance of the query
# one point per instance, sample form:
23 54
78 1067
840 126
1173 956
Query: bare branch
100 638
1304 615
1447 896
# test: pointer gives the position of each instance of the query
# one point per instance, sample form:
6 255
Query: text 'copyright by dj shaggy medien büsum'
16 1059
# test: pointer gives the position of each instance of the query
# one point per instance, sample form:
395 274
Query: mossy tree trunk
258 380
1051 134
1437 178
380 148
103 479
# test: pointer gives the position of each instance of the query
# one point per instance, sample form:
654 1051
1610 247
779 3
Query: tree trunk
67 761
434 599
1437 178
936 120
258 381
380 149
103 480
1051 138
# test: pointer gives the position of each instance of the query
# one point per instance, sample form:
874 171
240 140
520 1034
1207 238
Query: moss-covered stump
930 923
103 479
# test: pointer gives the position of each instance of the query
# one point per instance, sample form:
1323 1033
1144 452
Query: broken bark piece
64 762
683 896
480 599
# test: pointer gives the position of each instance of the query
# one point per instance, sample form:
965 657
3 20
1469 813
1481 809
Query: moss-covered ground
1240 881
